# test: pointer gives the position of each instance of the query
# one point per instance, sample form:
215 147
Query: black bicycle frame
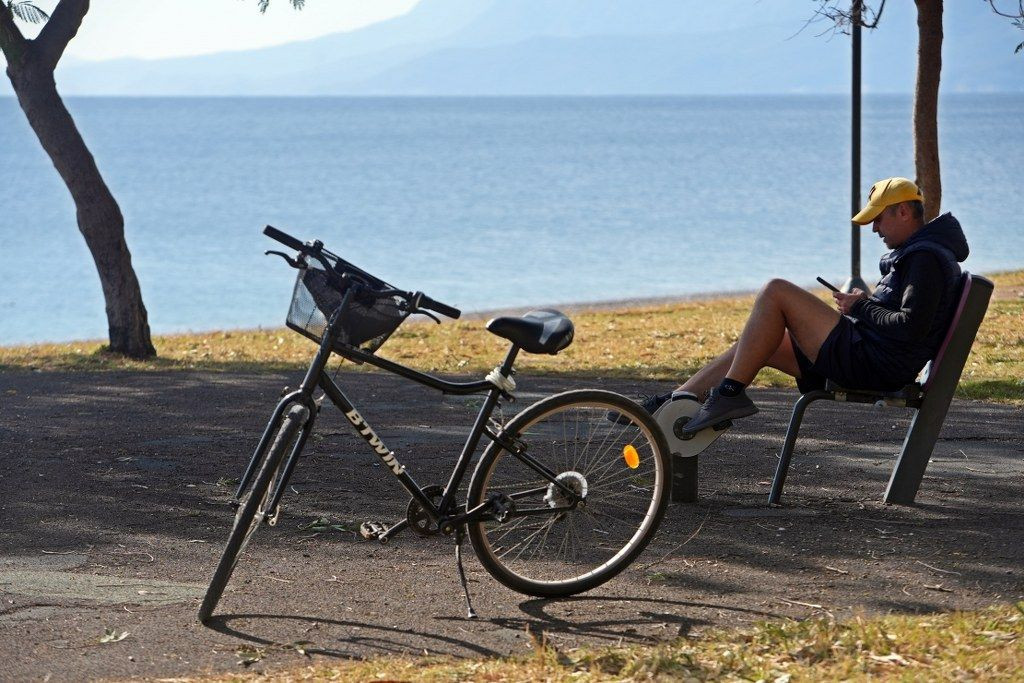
442 513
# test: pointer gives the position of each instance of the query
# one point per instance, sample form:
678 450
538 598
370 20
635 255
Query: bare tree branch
12 42
1018 18
841 19
60 29
845 13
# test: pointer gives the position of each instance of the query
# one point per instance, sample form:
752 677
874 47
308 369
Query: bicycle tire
622 500
250 513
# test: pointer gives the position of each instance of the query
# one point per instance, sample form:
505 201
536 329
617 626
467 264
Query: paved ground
112 516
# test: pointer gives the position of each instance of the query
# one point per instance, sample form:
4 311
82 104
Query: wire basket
366 323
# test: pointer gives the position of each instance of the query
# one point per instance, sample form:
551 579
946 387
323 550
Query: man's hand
845 301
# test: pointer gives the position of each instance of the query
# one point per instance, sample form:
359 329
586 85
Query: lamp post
855 280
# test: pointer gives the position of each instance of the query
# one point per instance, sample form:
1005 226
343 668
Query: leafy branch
264 4
27 12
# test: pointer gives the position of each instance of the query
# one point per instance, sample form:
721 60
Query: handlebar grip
283 237
437 306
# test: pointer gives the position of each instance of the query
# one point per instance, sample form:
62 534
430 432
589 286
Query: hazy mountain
304 67
468 47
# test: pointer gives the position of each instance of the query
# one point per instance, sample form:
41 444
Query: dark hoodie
906 318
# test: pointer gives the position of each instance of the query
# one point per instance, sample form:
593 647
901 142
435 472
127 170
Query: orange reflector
631 457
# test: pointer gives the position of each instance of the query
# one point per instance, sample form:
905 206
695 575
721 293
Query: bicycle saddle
543 331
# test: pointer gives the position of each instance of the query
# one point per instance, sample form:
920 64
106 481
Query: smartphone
828 284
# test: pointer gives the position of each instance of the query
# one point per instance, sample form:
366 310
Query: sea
483 203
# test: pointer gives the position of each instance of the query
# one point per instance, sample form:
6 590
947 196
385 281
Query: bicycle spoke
615 480
588 544
526 541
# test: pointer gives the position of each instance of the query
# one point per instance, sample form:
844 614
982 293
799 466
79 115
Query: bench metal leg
917 450
791 434
684 479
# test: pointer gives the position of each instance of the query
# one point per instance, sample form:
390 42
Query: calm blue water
483 203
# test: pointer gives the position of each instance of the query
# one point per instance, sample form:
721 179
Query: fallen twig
802 604
937 587
65 552
944 571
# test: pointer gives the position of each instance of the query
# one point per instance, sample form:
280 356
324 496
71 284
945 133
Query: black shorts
848 360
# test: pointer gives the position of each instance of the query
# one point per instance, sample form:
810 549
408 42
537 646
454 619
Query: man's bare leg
783 313
780 306
709 377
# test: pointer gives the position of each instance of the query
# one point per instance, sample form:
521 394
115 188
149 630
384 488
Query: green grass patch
984 645
646 342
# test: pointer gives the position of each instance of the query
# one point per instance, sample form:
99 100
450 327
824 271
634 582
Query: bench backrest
975 292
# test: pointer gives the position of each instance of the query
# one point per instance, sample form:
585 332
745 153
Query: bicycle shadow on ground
540 619
363 638
636 620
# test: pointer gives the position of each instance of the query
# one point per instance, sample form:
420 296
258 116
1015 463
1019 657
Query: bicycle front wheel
609 452
252 509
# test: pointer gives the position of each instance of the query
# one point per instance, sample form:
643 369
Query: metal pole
855 279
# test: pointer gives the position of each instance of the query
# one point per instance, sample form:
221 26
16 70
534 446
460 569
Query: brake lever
291 262
430 315
414 304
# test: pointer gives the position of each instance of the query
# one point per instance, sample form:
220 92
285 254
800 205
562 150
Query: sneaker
718 408
650 404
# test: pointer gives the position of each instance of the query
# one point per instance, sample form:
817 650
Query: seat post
510 359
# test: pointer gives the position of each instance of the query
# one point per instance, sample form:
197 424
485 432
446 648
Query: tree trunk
99 217
926 104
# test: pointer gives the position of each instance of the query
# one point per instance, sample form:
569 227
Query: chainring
419 521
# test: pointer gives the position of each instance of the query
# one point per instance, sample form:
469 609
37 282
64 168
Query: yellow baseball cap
885 193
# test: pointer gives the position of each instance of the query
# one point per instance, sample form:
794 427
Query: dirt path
112 516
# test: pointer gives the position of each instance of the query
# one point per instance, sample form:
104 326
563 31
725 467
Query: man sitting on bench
876 342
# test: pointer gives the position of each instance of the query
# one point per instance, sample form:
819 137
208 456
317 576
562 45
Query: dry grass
986 645
649 342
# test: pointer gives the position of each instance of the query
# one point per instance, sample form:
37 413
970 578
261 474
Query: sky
158 28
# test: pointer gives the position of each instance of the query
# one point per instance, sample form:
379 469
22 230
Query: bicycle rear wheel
619 467
252 507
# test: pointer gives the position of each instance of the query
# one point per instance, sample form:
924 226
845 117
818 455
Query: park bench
929 396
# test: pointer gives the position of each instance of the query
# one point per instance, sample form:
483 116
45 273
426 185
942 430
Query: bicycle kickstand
460 534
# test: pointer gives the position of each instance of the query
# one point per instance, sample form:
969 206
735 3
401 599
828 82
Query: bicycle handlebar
284 238
419 299
443 309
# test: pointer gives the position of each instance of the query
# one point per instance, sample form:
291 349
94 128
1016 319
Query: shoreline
567 308
602 306
614 304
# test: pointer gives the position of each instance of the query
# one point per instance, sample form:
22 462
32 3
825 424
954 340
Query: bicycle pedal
371 531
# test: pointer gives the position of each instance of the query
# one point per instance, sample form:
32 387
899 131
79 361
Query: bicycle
563 497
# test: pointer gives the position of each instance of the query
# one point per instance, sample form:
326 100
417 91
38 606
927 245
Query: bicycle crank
419 521
673 415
